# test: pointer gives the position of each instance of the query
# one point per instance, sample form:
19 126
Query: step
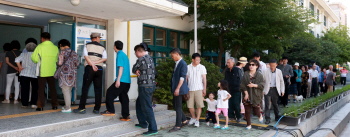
108 126
69 124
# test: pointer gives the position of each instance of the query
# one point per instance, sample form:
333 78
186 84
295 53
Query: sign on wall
84 33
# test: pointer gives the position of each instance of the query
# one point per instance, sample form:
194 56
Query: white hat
296 64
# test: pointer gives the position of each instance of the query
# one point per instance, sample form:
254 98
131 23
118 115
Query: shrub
165 68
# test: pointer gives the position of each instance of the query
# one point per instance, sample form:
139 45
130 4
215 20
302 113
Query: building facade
323 13
339 10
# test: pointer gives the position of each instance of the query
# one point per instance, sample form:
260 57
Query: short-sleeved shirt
11 55
343 72
222 94
314 73
123 61
211 105
329 79
195 78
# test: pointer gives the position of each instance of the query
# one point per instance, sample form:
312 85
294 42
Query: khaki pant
67 94
195 97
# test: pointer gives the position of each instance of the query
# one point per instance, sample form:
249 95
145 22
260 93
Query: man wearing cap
121 85
287 72
233 76
274 87
94 54
197 83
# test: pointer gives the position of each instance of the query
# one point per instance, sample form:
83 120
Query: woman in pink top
343 73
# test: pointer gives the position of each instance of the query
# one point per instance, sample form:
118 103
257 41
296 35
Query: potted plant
302 112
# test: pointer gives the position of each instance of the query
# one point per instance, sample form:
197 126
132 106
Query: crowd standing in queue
248 85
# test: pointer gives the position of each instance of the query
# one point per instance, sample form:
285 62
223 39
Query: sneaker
81 111
192 121
96 112
149 133
15 102
125 119
139 126
217 126
107 113
34 106
248 127
6 101
66 111
225 127
261 119
208 124
196 124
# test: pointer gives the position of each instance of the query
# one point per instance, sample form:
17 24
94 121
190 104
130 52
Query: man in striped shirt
197 83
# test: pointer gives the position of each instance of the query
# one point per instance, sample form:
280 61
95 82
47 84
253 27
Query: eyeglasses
251 64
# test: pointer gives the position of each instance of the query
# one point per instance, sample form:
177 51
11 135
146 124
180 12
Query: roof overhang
124 10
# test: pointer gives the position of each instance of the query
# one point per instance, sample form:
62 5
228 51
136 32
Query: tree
241 26
340 36
305 48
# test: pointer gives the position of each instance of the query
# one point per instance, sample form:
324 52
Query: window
301 3
318 15
161 39
183 43
160 56
312 9
173 39
312 32
325 21
318 36
148 35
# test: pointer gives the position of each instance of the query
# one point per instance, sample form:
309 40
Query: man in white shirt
197 83
314 80
262 66
274 87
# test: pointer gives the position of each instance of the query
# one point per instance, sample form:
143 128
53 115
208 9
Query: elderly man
178 88
233 76
314 80
95 54
197 83
287 72
274 87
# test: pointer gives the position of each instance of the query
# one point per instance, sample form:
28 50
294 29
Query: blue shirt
321 77
298 71
123 61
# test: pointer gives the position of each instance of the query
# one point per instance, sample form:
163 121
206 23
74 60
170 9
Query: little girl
211 108
223 97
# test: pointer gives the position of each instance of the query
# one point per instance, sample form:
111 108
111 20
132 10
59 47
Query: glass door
83 30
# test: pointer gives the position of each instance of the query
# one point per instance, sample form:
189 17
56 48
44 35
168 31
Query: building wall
340 12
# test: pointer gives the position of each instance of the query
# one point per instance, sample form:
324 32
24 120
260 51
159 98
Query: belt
314 78
272 87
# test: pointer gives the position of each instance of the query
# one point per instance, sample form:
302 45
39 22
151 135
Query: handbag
186 97
17 73
58 71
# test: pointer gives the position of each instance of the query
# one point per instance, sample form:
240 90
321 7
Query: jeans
144 110
180 115
91 76
273 97
234 110
314 87
10 78
25 86
41 92
122 92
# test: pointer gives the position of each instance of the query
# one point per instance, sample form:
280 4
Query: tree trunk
221 51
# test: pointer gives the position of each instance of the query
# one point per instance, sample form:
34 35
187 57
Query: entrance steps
95 125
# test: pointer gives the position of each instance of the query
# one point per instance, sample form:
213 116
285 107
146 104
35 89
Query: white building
322 13
157 22
339 10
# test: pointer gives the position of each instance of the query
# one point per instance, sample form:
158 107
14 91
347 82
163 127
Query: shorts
224 111
195 97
